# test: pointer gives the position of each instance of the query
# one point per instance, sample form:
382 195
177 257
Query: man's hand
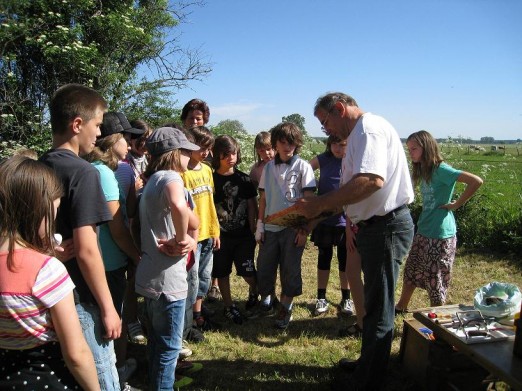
112 323
309 207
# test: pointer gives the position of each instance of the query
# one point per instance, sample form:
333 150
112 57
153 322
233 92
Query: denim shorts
102 349
204 257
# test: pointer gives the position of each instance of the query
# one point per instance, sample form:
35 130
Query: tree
487 140
231 127
48 43
297 119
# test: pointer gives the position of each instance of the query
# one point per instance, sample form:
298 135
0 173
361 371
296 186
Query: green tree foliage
231 127
48 43
297 119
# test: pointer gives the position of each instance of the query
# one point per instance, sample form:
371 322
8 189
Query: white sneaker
185 351
321 306
347 307
135 332
126 371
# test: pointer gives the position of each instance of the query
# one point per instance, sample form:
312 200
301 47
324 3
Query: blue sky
452 67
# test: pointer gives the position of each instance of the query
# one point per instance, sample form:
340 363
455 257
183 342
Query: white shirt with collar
374 147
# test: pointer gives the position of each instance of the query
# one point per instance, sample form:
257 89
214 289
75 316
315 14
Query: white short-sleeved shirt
374 147
284 183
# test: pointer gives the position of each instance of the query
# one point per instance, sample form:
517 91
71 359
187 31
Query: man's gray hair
328 101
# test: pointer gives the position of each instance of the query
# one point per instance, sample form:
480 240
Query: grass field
257 356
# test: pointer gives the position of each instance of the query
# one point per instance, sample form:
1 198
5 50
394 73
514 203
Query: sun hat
167 139
114 122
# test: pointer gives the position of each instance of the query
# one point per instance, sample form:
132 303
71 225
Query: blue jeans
382 246
192 293
102 349
165 327
204 257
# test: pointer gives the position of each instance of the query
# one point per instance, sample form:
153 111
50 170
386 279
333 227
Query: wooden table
496 357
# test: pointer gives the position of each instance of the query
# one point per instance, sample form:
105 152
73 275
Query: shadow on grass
244 374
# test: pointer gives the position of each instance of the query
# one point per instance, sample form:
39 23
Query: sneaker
205 324
185 350
127 387
321 306
346 307
126 371
135 332
187 367
266 310
213 294
194 335
252 301
182 381
284 317
206 311
233 313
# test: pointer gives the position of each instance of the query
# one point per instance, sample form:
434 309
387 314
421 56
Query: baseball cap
167 139
114 122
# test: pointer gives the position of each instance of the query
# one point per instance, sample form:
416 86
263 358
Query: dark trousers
382 246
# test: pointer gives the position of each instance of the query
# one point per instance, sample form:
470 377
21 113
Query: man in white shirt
375 189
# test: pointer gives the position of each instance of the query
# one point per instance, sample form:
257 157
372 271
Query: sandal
351 331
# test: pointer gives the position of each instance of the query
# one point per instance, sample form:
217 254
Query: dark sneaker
194 335
252 301
205 324
187 367
233 313
284 317
213 294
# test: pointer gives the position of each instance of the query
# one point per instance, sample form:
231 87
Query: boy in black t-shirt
236 207
76 115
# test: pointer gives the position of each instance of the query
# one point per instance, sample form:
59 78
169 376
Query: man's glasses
323 124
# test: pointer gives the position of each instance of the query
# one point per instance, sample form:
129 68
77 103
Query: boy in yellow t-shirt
200 184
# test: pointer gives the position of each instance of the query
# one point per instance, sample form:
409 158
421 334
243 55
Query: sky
451 67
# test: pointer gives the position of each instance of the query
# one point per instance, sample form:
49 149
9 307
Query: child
236 206
200 184
195 113
41 312
161 278
137 158
284 180
76 114
265 153
115 239
331 232
432 253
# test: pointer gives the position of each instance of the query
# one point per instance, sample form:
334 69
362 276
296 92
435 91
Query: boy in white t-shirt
284 180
